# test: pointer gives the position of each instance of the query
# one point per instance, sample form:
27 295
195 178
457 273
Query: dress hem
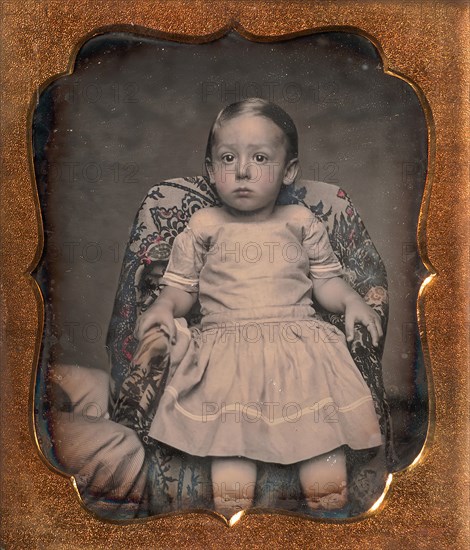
257 458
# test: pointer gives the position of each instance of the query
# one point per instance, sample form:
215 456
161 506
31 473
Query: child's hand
357 311
158 314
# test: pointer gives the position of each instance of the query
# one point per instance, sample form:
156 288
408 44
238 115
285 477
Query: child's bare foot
331 501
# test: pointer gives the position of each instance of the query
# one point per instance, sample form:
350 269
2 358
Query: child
272 382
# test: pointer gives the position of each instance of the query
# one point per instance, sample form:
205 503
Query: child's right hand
157 315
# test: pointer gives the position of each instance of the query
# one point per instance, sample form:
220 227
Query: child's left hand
357 311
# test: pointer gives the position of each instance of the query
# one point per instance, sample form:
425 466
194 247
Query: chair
135 392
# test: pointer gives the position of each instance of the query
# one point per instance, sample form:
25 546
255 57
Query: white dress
269 380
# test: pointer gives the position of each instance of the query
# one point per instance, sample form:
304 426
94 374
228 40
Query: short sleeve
185 263
323 262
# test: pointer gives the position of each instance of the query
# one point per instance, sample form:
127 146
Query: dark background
138 110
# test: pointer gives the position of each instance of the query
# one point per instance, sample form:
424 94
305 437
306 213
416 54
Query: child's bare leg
324 479
233 484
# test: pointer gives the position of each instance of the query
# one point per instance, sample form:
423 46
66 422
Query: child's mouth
243 192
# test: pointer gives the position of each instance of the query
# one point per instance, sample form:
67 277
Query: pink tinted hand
357 311
156 316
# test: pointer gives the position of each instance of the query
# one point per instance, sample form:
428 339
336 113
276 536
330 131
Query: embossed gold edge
234 25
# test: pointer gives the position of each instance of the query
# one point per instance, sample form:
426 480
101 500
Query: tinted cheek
272 174
224 173
224 185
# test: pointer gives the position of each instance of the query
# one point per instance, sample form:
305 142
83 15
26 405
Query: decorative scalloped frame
427 504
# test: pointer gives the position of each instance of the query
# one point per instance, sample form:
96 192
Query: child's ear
291 170
210 170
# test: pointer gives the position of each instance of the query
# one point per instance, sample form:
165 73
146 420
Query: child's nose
244 169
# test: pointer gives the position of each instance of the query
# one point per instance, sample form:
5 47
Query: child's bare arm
337 296
179 300
171 303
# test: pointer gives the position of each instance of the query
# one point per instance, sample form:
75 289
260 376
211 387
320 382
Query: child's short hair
260 107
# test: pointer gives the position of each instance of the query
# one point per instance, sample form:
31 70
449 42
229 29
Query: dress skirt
274 384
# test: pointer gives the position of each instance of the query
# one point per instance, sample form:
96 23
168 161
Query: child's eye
228 158
260 158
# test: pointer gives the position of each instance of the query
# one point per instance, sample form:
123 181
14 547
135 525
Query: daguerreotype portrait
230 275
234 274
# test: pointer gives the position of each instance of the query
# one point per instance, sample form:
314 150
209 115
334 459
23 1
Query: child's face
249 164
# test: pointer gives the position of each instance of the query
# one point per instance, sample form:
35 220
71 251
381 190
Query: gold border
423 43
201 40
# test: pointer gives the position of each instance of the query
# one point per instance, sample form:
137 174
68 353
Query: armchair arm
365 272
162 215
363 268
